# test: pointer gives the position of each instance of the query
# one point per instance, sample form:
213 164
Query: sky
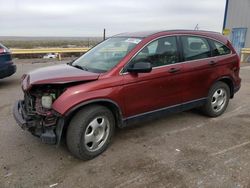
82 18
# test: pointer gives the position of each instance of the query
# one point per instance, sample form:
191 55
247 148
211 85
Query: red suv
128 78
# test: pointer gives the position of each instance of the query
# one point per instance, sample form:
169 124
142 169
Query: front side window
106 55
220 49
195 48
159 52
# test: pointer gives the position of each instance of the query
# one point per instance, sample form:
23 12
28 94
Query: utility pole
104 34
225 15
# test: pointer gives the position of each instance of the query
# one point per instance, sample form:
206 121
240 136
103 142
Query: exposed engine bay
37 107
38 103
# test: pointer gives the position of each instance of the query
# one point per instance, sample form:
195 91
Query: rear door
198 69
162 87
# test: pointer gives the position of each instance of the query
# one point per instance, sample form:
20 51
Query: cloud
88 18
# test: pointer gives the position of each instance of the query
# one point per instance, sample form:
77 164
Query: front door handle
212 63
174 70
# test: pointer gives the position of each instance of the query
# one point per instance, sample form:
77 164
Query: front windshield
106 55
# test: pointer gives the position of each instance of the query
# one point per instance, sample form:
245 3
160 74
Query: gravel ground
181 150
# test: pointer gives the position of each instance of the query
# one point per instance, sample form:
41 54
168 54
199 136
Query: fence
245 54
59 51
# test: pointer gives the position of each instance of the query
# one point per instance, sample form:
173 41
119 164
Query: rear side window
220 49
195 48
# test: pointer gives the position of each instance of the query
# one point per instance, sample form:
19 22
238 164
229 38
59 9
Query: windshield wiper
80 67
71 62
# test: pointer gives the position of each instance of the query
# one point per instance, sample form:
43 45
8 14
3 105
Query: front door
162 87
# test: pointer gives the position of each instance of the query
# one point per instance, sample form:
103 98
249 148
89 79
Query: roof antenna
196 27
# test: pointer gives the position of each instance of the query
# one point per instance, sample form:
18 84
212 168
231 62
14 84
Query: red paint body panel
57 75
147 92
140 93
100 89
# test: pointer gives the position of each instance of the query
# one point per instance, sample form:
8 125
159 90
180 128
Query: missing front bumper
48 135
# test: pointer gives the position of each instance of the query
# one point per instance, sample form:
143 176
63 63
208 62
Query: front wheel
90 132
217 100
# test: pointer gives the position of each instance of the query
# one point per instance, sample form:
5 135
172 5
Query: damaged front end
36 115
41 88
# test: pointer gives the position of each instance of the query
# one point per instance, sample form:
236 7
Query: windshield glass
106 55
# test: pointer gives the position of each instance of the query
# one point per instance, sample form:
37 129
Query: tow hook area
48 137
47 134
53 136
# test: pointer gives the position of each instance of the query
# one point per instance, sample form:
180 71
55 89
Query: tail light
236 66
238 61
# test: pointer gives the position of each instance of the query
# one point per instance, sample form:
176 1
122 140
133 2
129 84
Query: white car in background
50 56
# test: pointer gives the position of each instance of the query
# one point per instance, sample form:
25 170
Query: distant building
237 23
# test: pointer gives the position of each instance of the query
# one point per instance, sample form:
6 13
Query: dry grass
29 43
49 43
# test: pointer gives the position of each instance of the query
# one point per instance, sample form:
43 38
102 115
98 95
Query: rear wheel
90 132
217 100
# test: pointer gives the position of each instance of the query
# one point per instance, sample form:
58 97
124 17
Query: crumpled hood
59 74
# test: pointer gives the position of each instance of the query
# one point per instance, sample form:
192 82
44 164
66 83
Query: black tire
77 130
210 110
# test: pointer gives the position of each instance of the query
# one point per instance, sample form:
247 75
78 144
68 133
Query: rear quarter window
219 48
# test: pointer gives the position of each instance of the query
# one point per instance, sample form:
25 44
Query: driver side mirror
140 67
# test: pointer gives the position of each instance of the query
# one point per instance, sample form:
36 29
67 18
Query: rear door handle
212 63
174 70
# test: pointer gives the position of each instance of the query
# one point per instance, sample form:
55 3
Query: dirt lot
181 150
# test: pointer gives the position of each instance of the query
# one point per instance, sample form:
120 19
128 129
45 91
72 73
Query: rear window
195 48
220 49
3 49
2 46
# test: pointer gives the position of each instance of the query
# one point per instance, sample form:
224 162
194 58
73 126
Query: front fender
73 98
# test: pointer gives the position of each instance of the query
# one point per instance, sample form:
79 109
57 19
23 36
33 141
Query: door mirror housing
140 67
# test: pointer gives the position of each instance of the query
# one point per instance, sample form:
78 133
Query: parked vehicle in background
7 67
50 56
125 79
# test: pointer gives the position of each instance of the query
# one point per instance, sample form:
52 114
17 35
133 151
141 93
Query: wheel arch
229 81
111 105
